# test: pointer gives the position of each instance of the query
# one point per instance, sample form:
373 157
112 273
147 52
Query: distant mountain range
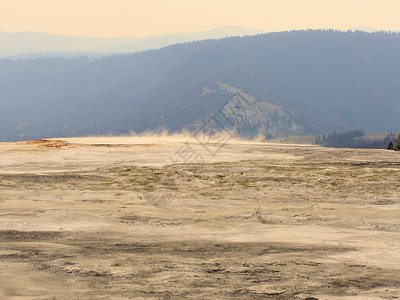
370 29
366 29
40 44
35 44
276 84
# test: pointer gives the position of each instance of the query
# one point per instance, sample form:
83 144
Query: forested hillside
300 82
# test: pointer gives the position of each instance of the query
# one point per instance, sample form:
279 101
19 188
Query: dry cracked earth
145 218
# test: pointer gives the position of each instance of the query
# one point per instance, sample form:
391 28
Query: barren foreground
137 218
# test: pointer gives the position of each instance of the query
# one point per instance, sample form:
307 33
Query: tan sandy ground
120 218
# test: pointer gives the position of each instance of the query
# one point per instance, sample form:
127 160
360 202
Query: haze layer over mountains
299 82
36 44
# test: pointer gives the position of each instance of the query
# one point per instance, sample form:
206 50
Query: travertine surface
120 218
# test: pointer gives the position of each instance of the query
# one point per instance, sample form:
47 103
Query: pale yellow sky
112 18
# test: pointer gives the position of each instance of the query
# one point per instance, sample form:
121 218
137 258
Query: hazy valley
300 82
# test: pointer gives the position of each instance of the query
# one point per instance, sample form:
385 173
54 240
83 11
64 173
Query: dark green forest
299 82
353 139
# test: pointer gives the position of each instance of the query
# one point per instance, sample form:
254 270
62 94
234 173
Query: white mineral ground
158 217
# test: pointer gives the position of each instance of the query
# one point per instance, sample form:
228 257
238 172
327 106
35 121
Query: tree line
355 139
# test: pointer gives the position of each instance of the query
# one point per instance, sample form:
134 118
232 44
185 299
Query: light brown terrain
144 218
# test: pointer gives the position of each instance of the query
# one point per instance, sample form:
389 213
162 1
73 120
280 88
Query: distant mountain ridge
366 29
370 29
299 82
39 43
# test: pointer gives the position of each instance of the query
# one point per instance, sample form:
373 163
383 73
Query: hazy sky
114 18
